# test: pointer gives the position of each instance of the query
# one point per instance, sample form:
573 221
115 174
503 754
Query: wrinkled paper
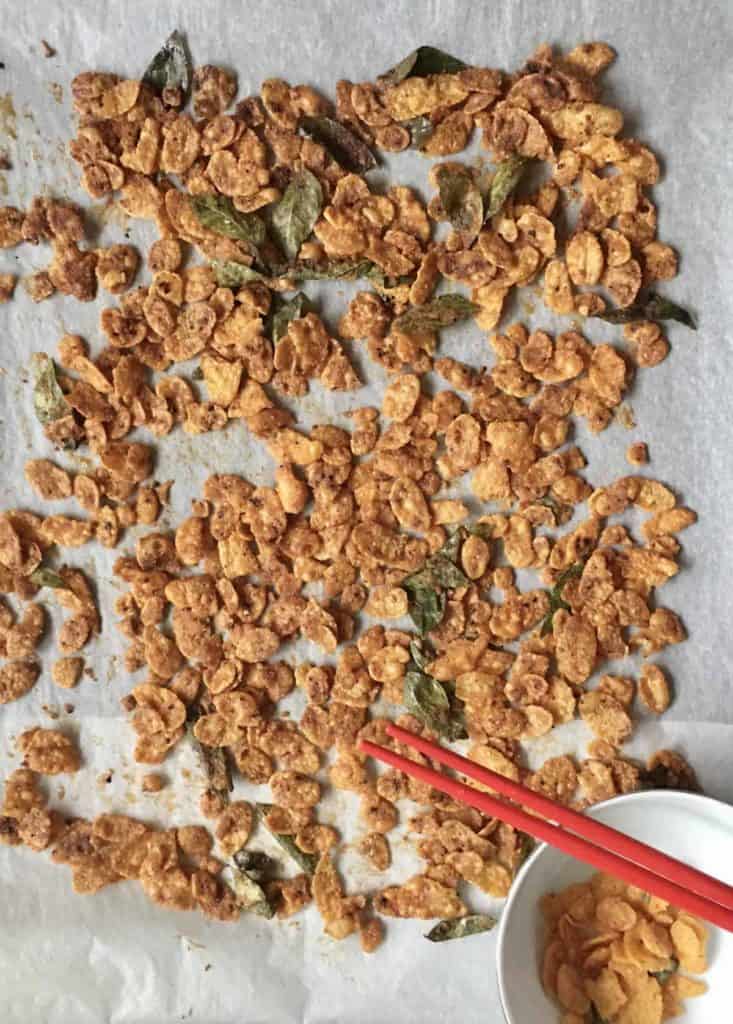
115 957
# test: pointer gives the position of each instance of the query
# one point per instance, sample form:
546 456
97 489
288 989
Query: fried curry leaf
294 217
346 148
595 1017
256 863
418 655
461 201
526 846
440 312
298 306
556 600
508 175
425 60
307 861
666 974
334 270
461 927
229 274
420 129
48 398
214 759
219 214
247 889
426 607
654 307
428 700
170 68
47 578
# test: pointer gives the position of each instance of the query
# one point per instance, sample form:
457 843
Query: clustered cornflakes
613 952
354 537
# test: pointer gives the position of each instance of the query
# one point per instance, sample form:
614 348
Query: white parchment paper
115 957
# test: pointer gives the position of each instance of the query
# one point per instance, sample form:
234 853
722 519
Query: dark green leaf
249 893
461 927
335 270
419 657
257 864
213 759
420 129
451 549
556 599
219 214
482 530
346 148
47 578
170 68
595 1017
666 974
229 274
428 700
508 175
654 307
425 60
426 608
525 848
307 861
48 398
298 306
440 312
461 200
294 217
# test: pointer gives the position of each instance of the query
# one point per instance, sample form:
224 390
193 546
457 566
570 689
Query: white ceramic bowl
693 828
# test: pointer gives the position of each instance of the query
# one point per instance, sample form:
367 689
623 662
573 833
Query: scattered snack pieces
614 954
153 783
637 454
354 524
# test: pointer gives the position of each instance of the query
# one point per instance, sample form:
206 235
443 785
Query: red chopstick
574 845
590 828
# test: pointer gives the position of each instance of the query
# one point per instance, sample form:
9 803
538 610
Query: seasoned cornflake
624 966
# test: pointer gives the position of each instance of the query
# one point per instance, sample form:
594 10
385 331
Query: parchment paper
115 957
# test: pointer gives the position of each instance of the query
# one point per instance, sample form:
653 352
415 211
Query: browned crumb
153 783
637 454
47 49
7 286
39 286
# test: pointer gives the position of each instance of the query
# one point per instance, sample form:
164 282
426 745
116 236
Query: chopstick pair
582 837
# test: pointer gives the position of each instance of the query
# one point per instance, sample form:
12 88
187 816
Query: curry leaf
595 1016
654 307
461 927
428 700
420 129
666 974
229 274
297 307
294 217
256 863
213 759
307 861
508 175
556 599
219 214
245 883
346 148
425 60
418 655
48 398
334 270
461 201
426 607
170 68
440 312
47 578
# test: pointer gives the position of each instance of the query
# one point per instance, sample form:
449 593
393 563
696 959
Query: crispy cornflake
363 520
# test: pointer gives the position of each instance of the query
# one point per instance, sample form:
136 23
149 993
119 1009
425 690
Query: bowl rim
669 795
